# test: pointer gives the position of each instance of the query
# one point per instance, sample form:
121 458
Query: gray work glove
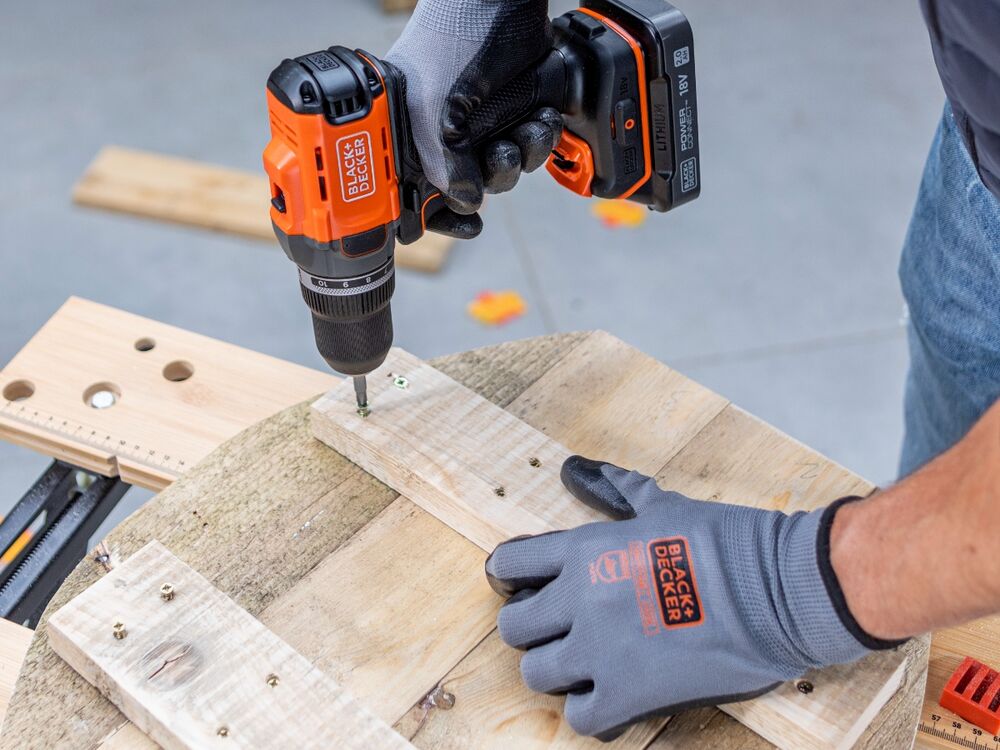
454 55
685 604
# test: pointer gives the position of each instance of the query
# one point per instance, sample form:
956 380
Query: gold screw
120 631
534 462
167 592
223 731
499 492
272 680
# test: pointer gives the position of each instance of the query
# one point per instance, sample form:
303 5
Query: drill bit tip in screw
361 394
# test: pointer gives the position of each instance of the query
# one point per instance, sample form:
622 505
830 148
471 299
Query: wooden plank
358 598
199 670
448 451
185 191
158 428
14 642
980 640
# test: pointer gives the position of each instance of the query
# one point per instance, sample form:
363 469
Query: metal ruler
942 729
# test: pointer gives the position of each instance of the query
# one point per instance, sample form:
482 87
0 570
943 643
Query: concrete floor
776 288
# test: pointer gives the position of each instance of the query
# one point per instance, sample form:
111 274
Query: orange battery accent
572 164
640 65
973 692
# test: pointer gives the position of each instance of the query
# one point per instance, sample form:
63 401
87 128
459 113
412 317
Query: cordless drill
346 180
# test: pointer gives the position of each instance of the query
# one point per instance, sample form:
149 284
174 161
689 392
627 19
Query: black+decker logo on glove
674 584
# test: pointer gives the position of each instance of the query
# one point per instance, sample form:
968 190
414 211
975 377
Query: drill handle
543 85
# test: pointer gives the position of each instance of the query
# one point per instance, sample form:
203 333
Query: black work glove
454 55
684 604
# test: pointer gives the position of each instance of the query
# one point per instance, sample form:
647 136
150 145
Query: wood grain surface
175 396
262 516
195 670
185 191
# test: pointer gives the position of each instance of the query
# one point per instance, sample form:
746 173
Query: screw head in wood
167 592
445 700
438 698
499 491
364 411
223 731
119 631
534 462
804 686
272 680
401 382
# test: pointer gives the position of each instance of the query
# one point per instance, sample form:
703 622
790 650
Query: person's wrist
835 552
819 621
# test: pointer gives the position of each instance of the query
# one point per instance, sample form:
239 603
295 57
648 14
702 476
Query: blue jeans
950 273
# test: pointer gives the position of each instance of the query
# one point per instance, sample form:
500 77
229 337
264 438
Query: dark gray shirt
965 37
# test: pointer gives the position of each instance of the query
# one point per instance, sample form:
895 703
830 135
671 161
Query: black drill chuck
352 318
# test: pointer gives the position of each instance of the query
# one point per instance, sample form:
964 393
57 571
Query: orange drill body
346 181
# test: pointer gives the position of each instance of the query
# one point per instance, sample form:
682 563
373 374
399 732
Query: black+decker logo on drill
357 175
673 582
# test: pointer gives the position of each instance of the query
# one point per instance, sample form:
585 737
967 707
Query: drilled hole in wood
145 344
102 395
19 390
178 371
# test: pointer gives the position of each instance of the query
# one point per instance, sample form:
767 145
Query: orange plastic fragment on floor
619 213
973 692
497 308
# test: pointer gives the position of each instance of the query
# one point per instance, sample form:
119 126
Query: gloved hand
685 604
455 54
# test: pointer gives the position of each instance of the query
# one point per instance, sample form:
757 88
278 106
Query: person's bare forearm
922 554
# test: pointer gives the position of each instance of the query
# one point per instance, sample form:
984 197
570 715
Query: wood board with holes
185 191
392 603
191 668
142 400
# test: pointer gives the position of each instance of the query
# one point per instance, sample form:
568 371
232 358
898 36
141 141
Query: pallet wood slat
471 464
190 192
158 428
198 670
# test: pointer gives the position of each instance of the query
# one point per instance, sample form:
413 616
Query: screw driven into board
272 680
438 698
119 631
804 686
223 731
167 592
